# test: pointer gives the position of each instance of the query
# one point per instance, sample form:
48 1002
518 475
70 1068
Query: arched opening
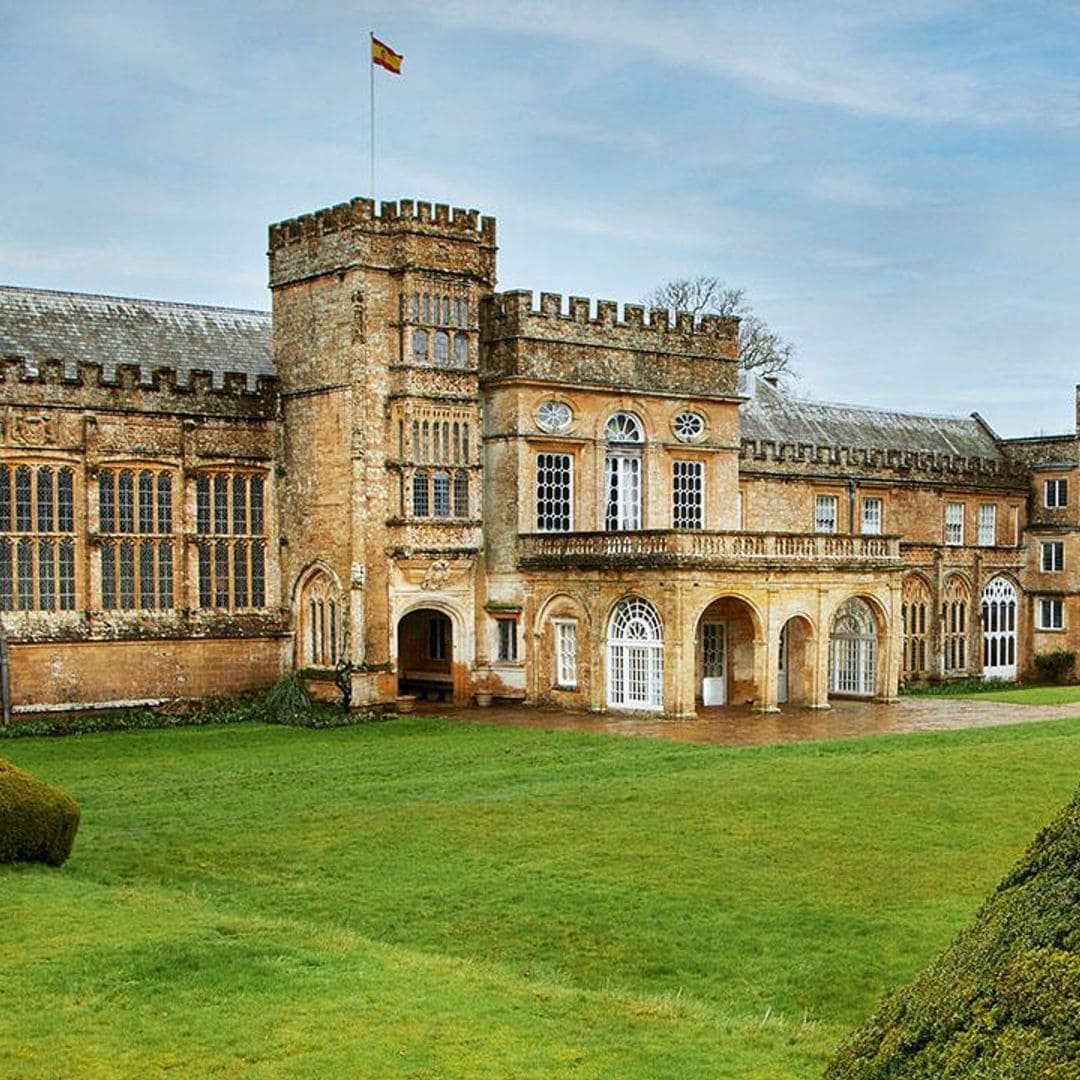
319 623
795 663
916 614
726 653
999 629
425 655
853 650
635 656
625 438
562 667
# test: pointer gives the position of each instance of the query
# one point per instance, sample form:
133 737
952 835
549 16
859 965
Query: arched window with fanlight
635 656
853 650
625 437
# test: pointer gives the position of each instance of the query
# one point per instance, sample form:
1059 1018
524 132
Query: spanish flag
385 57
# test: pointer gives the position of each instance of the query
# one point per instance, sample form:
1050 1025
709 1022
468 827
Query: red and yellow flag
385 57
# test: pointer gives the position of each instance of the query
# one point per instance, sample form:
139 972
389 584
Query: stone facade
454 491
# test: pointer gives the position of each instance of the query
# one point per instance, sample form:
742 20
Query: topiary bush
1003 1001
38 822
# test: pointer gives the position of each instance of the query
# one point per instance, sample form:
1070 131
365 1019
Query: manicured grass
423 899
1021 695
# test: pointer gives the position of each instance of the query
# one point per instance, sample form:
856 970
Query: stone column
818 698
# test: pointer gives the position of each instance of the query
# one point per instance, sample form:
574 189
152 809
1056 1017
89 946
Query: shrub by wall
1003 1001
1057 666
38 822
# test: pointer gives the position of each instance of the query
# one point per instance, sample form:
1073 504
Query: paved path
741 727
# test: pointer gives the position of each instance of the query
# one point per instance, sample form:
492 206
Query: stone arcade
457 490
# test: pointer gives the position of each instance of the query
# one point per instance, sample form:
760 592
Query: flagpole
371 80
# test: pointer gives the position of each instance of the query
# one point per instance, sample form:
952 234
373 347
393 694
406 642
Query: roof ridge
873 409
181 304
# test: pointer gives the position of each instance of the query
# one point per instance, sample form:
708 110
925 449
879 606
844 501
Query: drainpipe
852 487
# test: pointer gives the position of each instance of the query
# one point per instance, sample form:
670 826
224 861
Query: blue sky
895 184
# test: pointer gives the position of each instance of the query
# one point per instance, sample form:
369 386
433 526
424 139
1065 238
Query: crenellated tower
375 315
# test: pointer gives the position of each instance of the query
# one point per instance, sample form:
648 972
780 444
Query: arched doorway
635 656
727 647
999 629
425 655
794 680
853 650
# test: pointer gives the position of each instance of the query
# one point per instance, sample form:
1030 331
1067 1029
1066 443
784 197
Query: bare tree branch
761 349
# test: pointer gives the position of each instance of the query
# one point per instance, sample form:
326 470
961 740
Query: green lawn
1022 695
422 899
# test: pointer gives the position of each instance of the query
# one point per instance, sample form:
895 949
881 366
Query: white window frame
826 523
1056 551
954 524
987 524
506 639
552 520
622 490
872 522
1050 613
565 653
687 494
1056 493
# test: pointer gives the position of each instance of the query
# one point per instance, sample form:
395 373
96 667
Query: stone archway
635 656
728 654
425 654
854 651
795 662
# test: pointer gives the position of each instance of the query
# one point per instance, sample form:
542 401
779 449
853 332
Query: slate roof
40 324
770 414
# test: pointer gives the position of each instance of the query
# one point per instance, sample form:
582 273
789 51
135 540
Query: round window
689 426
554 416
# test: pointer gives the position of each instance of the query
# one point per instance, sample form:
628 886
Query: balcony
728 550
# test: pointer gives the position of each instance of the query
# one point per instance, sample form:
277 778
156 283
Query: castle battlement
407 215
512 314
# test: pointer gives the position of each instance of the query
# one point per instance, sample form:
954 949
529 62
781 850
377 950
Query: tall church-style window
954 618
37 538
138 548
230 518
623 472
916 612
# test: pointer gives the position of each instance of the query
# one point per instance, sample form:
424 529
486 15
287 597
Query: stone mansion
454 490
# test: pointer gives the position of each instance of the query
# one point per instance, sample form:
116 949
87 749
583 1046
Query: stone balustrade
666 548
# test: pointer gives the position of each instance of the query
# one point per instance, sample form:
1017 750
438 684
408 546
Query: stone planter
406 703
483 698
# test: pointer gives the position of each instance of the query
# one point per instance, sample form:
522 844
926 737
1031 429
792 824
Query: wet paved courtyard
739 726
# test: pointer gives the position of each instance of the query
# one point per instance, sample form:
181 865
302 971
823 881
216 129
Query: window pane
164 503
420 494
419 347
146 502
22 499
461 350
240 582
165 575
221 574
205 584
258 526
127 575
25 559
108 575
441 494
126 501
442 348
67 575
461 494
240 490
146 574
687 495
66 501
202 504
46 576
221 504
45 500
106 501
5 499
7 579
258 574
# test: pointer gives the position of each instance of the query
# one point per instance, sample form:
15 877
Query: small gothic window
461 350
442 348
419 347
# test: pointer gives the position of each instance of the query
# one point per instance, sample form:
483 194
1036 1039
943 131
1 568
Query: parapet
407 215
511 314
587 346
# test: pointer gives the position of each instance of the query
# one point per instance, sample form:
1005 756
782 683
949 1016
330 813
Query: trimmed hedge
1003 1001
38 822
